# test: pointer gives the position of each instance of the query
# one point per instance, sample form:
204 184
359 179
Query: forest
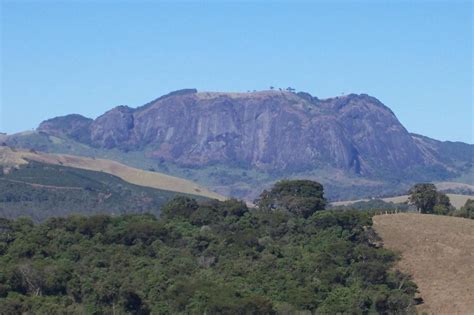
206 256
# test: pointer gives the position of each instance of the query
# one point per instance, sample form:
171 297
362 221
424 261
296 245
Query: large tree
427 199
300 197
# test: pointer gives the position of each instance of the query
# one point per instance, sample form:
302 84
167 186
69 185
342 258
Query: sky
86 57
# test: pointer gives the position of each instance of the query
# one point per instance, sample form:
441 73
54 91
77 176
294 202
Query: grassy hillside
457 200
456 187
42 190
12 157
438 252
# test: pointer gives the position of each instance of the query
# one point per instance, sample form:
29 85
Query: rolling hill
40 191
11 157
42 185
457 200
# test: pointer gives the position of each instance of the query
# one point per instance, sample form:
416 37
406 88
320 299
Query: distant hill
40 191
239 143
44 185
11 157
457 200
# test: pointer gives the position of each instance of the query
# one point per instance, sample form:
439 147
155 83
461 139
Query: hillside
41 191
9 157
457 200
239 143
438 252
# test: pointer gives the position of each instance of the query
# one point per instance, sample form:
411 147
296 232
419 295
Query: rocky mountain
275 132
268 130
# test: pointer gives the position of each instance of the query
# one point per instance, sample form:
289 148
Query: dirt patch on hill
439 252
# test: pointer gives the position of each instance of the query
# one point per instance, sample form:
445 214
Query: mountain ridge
280 133
128 128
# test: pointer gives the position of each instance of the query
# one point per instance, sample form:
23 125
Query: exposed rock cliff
268 130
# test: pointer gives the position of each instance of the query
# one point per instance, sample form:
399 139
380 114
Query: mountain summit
274 132
268 130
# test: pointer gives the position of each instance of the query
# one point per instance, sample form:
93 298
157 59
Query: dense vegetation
41 190
201 257
299 197
467 211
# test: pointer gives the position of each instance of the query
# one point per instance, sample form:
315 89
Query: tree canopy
299 197
427 199
203 257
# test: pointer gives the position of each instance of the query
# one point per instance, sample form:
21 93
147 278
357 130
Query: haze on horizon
59 58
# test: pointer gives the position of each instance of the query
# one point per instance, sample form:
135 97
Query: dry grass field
456 200
9 157
453 185
439 252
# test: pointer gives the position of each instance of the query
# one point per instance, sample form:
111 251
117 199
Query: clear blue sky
88 56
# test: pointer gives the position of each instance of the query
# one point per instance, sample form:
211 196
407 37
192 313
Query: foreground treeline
203 257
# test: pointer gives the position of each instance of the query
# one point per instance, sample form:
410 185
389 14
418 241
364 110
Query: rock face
74 126
268 130
113 129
